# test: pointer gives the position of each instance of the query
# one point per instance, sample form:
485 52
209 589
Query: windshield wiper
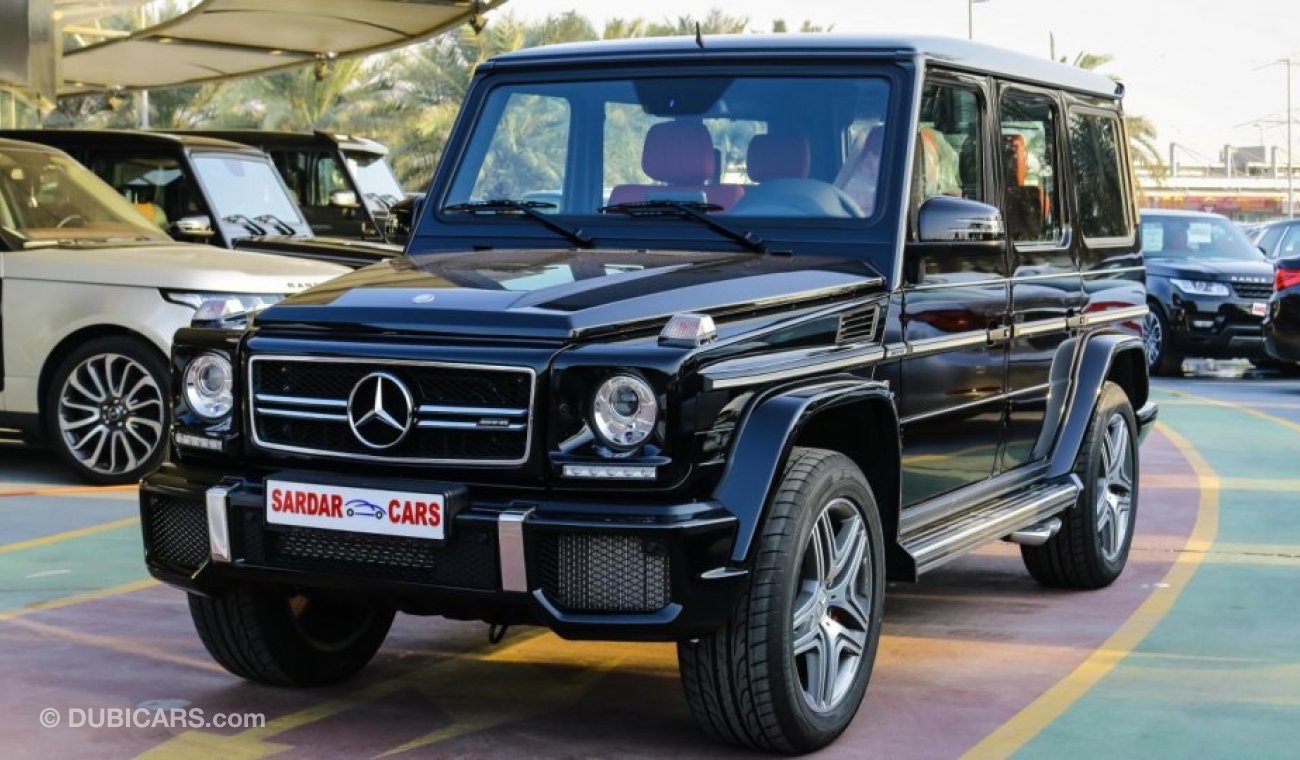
695 210
279 224
246 223
528 209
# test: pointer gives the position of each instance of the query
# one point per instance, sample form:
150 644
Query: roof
292 139
220 39
958 53
126 136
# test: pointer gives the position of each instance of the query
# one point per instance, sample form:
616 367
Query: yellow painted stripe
1040 713
1294 426
121 644
68 535
1168 480
63 490
67 601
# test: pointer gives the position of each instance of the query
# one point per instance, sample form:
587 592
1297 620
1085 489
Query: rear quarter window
1099 180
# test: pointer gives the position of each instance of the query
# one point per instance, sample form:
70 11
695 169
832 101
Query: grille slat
1259 291
463 413
858 326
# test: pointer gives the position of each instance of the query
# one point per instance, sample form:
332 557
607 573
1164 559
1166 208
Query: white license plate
361 510
1259 309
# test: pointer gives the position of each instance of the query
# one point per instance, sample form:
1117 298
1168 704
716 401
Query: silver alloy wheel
1115 488
111 413
832 606
1153 335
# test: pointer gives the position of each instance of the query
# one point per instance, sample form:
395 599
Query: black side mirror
944 219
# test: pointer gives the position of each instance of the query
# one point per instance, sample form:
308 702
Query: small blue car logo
365 509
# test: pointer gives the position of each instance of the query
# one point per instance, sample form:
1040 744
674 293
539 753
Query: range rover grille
1260 289
459 414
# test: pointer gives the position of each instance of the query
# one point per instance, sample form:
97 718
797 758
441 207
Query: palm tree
1141 130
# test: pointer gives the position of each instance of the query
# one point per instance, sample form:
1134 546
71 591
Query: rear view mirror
944 219
343 199
194 227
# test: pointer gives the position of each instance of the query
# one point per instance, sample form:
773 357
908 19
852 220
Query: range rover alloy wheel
789 670
284 637
1092 547
1157 339
108 411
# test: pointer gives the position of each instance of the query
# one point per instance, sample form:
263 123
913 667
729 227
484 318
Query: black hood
1223 270
561 295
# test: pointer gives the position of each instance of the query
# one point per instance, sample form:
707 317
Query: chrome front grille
459 413
1254 288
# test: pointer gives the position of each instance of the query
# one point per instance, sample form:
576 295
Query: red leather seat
679 155
1028 207
778 157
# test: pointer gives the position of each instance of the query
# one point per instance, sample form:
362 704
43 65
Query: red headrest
778 157
678 153
1017 160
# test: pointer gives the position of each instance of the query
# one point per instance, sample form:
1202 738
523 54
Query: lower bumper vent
177 531
614 573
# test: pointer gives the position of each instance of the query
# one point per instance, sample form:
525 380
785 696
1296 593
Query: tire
744 684
107 409
1157 339
280 637
1085 553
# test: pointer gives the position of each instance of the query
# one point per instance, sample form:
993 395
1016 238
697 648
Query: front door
954 310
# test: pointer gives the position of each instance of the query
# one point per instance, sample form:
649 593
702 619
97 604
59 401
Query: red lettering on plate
435 515
336 506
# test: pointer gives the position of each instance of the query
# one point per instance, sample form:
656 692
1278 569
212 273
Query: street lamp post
970 17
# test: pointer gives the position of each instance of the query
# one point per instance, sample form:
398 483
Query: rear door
1046 289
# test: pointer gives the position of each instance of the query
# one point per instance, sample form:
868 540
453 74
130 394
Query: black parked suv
1208 289
205 190
801 314
343 183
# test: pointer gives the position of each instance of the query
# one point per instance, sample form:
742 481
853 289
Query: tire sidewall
833 481
1112 400
139 351
1168 360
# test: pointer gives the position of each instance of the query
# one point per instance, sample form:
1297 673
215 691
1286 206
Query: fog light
609 472
198 442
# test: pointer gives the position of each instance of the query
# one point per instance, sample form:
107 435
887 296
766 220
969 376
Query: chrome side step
1010 515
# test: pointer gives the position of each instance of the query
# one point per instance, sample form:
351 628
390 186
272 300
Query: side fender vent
858 326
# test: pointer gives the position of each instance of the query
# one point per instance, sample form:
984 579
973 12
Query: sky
1192 66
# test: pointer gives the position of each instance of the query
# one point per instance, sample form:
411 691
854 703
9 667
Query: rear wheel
1092 547
1162 357
789 670
107 409
284 637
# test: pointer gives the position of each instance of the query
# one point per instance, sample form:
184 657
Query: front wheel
789 670
107 409
289 638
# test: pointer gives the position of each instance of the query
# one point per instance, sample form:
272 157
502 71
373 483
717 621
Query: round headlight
209 385
624 411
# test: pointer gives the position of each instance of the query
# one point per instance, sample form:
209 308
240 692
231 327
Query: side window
1031 193
1291 243
329 178
155 185
1098 173
949 160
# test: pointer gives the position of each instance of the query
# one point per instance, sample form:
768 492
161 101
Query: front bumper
586 570
1216 326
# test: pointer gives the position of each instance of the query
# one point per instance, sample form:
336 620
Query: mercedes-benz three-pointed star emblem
380 410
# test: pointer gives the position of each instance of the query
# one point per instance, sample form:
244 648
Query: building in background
1244 183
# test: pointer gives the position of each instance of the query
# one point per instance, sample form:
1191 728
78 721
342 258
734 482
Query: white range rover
90 295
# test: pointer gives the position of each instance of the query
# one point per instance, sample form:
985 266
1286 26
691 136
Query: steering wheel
799 198
68 220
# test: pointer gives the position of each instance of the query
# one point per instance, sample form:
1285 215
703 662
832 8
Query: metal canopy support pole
1290 162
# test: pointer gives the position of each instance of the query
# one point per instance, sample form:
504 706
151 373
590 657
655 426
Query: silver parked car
91 293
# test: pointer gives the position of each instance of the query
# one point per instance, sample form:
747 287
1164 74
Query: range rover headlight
209 386
624 412
1201 287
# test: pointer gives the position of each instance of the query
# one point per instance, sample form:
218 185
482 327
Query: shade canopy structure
224 39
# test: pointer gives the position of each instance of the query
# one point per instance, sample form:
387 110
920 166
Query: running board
941 542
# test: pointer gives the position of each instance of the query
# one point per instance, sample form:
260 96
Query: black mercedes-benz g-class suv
697 341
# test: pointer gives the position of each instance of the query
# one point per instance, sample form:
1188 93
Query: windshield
1195 237
48 196
744 146
246 188
374 177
